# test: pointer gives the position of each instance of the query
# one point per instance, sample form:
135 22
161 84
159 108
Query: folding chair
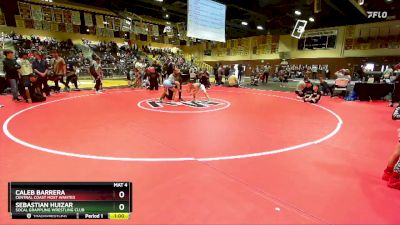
341 85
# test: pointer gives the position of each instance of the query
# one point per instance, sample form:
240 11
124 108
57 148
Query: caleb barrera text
42 194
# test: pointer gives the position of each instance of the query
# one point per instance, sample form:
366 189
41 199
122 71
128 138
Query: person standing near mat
25 72
11 67
60 70
194 88
41 68
97 73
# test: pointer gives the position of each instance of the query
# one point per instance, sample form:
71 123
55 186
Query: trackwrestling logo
197 106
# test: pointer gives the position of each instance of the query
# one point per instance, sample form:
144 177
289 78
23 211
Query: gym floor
253 157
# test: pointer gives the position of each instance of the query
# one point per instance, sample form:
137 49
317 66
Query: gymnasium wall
354 45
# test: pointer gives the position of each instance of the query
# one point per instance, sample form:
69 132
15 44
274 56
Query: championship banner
46 25
99 31
54 26
24 10
58 15
37 25
135 27
99 21
47 13
62 27
67 16
155 30
2 18
125 25
109 22
143 28
29 23
69 27
92 30
76 17
88 20
76 28
139 28
37 13
117 24
19 22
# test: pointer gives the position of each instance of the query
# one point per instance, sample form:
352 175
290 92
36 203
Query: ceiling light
311 19
159 0
260 28
166 15
297 12
244 23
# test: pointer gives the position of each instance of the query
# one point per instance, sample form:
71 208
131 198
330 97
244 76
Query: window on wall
318 40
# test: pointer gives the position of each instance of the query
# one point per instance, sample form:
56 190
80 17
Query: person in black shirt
314 97
308 89
40 68
240 72
11 68
71 75
325 89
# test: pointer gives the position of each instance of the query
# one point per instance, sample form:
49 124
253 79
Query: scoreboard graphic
70 200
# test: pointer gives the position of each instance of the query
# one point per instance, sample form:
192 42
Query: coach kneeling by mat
34 93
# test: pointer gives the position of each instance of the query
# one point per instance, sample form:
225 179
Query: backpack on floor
352 96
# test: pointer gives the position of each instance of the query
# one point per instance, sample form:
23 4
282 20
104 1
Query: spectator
233 81
97 73
11 68
221 73
71 75
265 76
205 78
314 97
26 68
59 69
240 72
325 88
41 68
304 88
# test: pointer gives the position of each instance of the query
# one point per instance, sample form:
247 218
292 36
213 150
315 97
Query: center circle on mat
164 131
188 106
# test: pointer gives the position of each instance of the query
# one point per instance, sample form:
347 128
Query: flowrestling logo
198 106
377 14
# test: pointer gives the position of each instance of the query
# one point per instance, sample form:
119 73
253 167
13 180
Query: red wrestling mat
245 157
